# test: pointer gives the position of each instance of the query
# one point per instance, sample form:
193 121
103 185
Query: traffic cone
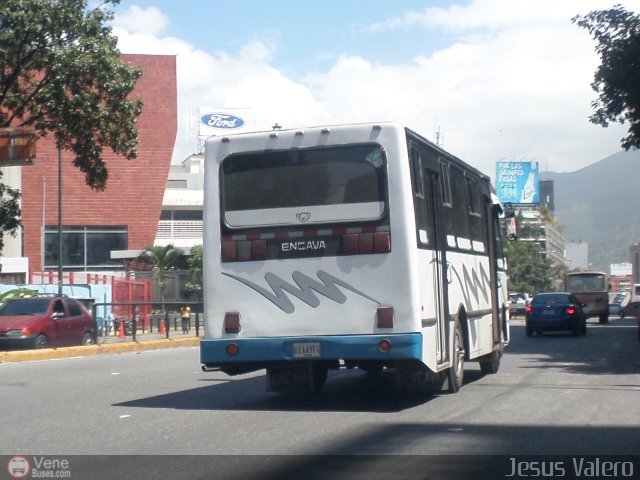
162 326
121 330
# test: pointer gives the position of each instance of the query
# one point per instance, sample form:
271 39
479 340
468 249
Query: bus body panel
363 273
330 302
266 350
471 292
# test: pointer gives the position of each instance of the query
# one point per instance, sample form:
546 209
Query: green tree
193 289
61 73
529 269
161 259
617 79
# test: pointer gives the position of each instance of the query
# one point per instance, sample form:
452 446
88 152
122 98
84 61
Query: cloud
489 15
149 21
514 85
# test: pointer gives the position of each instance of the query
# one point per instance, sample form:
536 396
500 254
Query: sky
492 80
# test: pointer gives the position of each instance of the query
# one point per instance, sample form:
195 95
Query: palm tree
161 258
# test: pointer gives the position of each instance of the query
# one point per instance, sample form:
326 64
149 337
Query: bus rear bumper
257 353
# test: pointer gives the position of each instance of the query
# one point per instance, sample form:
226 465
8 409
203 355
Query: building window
84 248
181 215
176 184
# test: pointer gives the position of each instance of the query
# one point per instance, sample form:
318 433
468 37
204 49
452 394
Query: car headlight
18 333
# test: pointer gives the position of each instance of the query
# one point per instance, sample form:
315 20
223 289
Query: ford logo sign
221 120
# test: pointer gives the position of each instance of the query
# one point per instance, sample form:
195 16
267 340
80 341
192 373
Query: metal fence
146 319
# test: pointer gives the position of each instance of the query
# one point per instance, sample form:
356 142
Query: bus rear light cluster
232 322
384 317
244 250
364 243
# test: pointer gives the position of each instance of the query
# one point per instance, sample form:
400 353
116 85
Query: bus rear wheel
490 364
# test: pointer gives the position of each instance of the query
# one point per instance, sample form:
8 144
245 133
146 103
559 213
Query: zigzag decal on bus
472 285
304 290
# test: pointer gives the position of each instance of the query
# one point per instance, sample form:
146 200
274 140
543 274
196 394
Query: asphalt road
553 395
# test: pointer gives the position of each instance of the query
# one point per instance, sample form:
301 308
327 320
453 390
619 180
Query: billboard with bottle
518 182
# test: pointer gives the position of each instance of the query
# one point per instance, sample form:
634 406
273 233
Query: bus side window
416 164
447 210
418 198
460 205
475 211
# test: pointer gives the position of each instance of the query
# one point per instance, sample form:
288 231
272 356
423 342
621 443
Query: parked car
41 322
555 311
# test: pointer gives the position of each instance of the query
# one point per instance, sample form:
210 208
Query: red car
40 322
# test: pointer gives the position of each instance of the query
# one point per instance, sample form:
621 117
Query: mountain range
600 204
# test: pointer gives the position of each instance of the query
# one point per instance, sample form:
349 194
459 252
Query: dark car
40 322
555 311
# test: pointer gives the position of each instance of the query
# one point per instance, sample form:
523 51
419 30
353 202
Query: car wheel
41 341
604 318
529 330
87 339
455 373
584 328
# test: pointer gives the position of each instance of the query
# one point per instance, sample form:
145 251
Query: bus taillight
229 251
366 243
381 242
244 250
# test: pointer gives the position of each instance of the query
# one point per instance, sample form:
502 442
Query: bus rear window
315 185
586 282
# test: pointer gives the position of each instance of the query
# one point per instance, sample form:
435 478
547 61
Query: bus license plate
307 350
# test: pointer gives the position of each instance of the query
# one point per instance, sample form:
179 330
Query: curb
90 350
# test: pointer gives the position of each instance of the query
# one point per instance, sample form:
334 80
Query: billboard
207 121
518 182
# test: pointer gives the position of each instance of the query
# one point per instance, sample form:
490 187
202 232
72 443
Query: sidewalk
146 336
113 344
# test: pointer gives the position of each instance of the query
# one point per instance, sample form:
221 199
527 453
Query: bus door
434 199
493 239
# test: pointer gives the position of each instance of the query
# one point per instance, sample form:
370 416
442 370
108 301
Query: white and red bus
349 246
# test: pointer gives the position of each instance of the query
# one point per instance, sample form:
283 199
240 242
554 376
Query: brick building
123 216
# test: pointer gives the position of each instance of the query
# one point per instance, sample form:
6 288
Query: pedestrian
185 315
114 322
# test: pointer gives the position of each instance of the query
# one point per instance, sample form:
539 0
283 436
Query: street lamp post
59 220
